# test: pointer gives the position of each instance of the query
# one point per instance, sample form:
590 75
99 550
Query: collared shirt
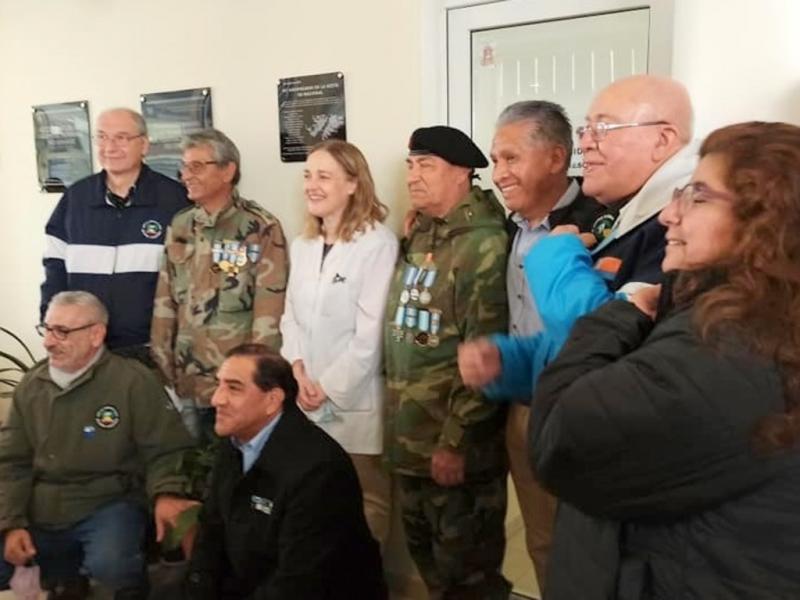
523 316
251 450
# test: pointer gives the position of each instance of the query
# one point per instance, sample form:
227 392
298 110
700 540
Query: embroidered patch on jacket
107 417
152 229
260 504
603 226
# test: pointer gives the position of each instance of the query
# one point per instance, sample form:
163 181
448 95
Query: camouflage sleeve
481 309
16 471
165 319
270 293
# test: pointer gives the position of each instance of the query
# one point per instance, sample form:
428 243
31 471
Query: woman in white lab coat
332 324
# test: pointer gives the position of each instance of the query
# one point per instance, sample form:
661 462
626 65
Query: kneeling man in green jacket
90 440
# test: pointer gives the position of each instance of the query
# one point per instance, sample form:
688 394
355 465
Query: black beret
448 143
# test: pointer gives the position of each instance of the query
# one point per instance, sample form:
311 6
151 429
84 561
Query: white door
563 51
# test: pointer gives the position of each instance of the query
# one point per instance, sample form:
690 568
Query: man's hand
447 467
479 362
19 548
167 510
646 299
588 239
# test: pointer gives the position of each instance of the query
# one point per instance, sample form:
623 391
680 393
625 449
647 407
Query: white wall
740 60
110 51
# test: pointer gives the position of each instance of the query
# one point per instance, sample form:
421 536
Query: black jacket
582 212
645 433
292 528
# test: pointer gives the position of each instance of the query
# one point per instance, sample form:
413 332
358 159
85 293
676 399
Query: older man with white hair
636 149
106 234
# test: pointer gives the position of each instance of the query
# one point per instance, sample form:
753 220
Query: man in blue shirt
531 154
284 516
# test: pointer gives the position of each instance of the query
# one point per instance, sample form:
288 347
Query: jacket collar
657 191
44 371
139 197
203 219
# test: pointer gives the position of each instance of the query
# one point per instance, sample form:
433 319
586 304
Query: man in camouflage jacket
445 443
223 279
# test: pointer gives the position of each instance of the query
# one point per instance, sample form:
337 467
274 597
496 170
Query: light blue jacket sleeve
565 286
516 355
564 283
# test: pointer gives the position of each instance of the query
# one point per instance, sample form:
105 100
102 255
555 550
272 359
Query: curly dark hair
757 294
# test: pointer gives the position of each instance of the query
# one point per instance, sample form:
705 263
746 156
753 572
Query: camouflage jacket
448 286
222 283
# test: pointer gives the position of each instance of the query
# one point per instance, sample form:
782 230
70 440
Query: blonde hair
364 208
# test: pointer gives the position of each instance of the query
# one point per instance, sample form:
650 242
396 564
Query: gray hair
222 148
84 299
549 122
138 119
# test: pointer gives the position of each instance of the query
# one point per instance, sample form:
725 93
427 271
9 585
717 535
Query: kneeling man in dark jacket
284 516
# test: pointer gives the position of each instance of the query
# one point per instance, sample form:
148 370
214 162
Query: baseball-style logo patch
152 229
107 417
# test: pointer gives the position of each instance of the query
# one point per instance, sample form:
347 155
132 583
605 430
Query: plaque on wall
63 144
310 110
169 117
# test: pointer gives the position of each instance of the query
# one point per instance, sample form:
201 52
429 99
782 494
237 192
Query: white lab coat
333 321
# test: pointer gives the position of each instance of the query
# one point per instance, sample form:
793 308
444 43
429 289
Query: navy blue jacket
641 252
114 253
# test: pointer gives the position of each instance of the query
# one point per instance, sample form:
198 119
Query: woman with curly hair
669 429
335 301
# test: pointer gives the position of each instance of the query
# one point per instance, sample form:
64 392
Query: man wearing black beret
444 442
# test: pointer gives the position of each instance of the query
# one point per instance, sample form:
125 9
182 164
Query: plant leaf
185 521
19 341
13 359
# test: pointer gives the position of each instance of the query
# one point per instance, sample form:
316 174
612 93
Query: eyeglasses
120 139
58 332
696 193
196 166
599 130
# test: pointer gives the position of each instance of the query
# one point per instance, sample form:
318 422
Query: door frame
443 78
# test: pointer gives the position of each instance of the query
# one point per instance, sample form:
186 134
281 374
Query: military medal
423 324
430 277
216 251
436 323
227 264
241 255
411 317
253 252
408 280
397 326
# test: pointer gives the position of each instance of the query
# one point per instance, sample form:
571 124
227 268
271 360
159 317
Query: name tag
260 504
